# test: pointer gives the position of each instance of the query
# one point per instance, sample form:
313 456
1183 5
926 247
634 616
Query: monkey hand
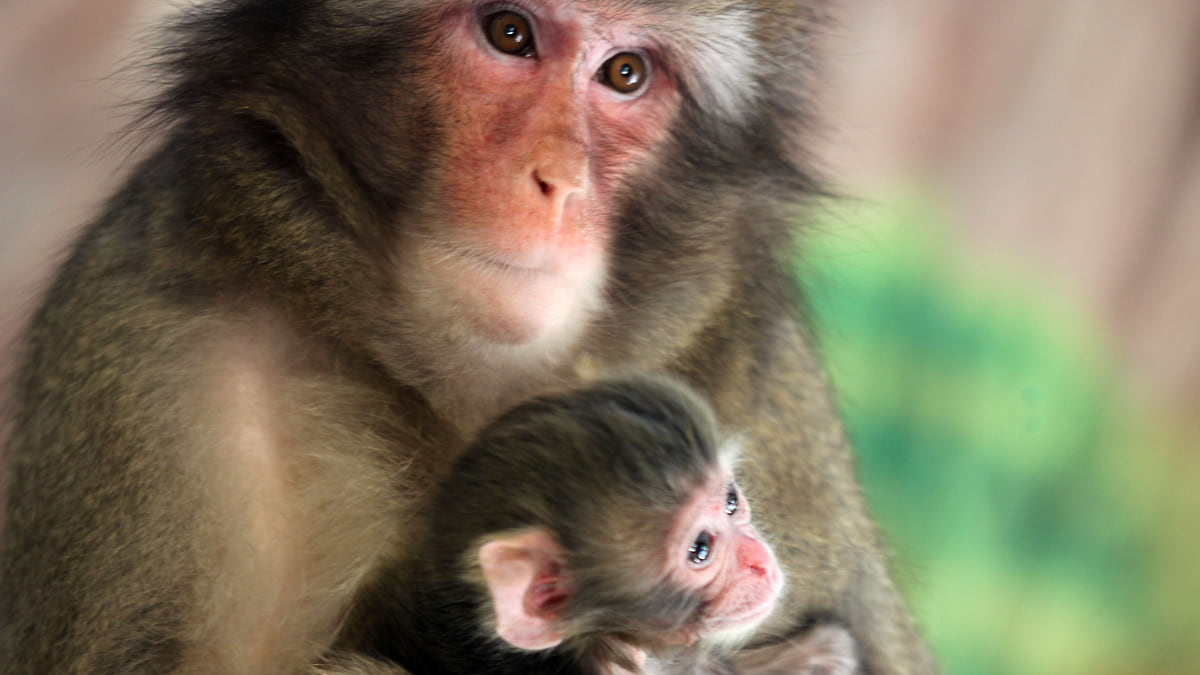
637 657
825 650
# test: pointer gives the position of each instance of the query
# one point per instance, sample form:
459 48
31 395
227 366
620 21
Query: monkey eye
625 72
510 33
700 549
731 500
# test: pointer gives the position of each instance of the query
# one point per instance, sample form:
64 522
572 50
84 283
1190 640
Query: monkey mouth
534 265
750 613
503 266
736 622
757 613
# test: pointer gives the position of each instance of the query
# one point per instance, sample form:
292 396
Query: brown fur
235 391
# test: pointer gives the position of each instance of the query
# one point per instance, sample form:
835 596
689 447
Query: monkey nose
558 188
558 184
754 557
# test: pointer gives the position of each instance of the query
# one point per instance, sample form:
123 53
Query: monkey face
553 109
716 551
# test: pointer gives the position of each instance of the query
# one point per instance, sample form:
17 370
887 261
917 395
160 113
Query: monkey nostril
546 188
755 566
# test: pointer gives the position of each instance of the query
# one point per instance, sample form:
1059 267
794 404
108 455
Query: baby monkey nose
754 557
756 567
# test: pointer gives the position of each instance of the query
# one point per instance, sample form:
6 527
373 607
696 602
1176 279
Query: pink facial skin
715 550
532 163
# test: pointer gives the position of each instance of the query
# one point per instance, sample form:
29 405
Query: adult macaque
370 227
582 530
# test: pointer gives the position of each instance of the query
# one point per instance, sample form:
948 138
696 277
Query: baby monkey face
715 550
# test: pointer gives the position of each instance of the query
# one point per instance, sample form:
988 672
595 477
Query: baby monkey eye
731 500
625 72
510 33
700 549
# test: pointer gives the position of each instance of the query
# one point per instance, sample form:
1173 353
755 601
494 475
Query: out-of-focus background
1011 313
1009 298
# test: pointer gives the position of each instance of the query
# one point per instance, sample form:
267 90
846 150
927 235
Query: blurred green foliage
1041 522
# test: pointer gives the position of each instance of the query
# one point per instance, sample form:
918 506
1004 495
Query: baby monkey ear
528 587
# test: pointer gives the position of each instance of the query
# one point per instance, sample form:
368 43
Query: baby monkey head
623 528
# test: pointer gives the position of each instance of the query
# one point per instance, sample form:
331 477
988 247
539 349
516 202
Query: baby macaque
582 533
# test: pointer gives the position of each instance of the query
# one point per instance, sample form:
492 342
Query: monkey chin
733 631
522 307
733 635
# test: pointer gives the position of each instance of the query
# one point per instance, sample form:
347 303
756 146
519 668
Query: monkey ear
528 587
